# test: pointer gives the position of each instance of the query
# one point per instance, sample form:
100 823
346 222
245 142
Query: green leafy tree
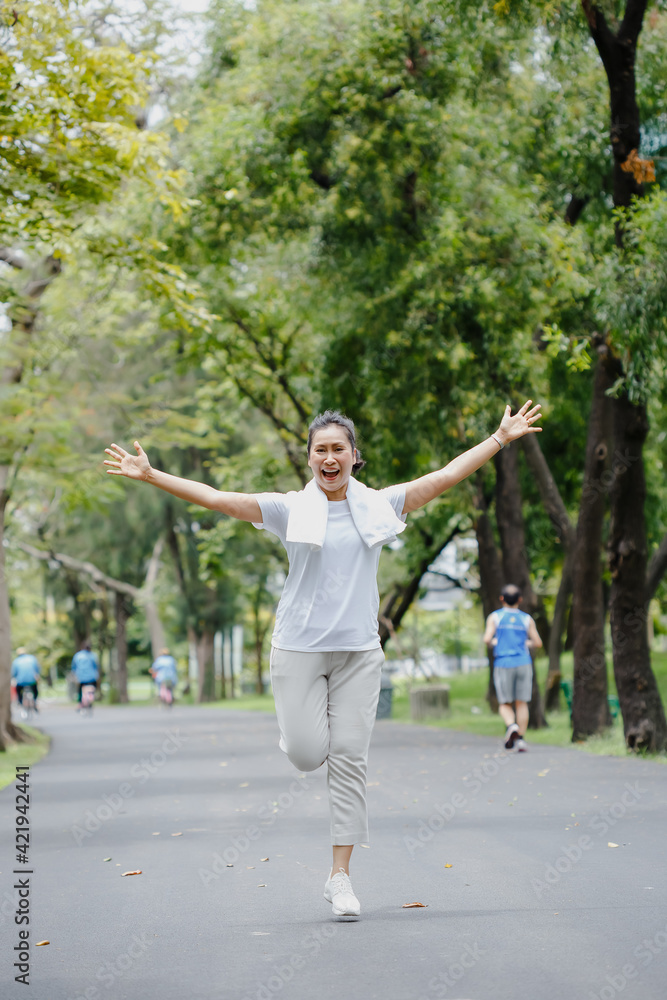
70 145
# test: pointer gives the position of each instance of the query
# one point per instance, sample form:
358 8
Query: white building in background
448 581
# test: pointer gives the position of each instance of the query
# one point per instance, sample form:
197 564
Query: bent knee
306 758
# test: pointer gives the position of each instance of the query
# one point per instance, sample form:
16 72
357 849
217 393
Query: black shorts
81 683
20 688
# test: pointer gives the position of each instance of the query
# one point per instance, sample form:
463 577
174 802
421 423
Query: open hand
123 464
513 427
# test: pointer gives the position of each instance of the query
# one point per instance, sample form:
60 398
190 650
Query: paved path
535 905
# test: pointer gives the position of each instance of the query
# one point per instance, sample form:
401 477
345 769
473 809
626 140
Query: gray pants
326 705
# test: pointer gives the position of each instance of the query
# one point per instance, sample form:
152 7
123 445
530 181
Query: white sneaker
521 745
511 736
338 891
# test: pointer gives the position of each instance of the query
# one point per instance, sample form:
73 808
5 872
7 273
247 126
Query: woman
326 656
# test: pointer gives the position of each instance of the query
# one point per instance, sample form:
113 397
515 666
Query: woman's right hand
123 464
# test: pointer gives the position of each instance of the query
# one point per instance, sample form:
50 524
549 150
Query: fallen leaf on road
263 859
177 834
230 866
262 885
448 866
408 906
106 859
540 774
609 844
157 833
130 873
244 784
39 944
249 868
367 846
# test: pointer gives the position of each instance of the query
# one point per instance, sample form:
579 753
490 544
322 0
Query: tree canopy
414 212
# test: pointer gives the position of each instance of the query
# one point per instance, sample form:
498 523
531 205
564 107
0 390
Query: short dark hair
328 418
511 594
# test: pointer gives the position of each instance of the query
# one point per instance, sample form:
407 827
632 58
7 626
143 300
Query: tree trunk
80 616
555 508
656 569
23 316
9 733
618 54
260 631
122 615
643 714
205 668
590 707
490 579
558 626
155 626
509 517
105 643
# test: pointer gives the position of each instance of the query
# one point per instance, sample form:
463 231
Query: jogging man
512 633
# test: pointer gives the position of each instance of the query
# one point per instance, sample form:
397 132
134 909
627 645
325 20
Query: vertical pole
218 664
237 654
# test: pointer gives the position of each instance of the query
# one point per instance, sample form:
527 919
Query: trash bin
384 701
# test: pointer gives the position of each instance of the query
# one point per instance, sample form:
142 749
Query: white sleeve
396 497
275 514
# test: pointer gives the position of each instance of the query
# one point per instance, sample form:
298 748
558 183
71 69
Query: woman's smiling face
331 458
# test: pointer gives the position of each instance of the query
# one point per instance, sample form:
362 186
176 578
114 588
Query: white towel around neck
374 517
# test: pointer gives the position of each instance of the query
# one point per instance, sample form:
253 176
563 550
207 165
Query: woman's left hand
513 427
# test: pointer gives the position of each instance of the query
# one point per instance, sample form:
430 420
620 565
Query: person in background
86 669
165 674
513 634
25 671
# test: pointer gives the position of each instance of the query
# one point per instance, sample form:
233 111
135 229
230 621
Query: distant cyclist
85 667
165 675
25 671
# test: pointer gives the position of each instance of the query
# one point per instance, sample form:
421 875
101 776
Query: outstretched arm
240 505
420 491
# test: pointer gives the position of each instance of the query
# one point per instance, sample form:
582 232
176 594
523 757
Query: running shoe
511 736
338 891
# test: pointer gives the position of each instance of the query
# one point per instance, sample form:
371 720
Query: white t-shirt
330 601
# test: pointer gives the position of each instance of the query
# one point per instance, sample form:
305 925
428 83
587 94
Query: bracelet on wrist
498 441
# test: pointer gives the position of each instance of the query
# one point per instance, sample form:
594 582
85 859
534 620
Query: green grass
22 755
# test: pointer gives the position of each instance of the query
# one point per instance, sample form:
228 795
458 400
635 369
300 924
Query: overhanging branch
80 566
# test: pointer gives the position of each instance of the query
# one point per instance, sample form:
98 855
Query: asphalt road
511 855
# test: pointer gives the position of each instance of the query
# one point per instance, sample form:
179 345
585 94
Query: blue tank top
512 634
